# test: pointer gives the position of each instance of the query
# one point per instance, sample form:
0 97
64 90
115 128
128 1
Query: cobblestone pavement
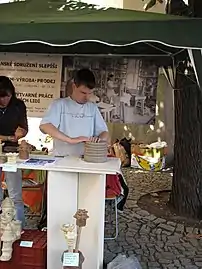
154 241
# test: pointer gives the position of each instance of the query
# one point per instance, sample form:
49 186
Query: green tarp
60 23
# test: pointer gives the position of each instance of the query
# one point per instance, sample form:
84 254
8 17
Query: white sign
9 167
37 79
26 244
71 259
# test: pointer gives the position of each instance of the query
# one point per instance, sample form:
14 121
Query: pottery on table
24 150
95 152
12 157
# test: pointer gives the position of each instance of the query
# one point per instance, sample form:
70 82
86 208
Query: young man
13 126
74 120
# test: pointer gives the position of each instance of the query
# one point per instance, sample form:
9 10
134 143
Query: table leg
62 204
91 196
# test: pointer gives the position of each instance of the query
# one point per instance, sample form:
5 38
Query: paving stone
172 223
153 264
145 229
136 216
180 228
143 213
144 265
166 227
139 251
168 255
177 263
171 266
167 233
198 259
174 238
185 262
151 218
164 238
152 258
158 231
189 230
164 261
142 235
159 220
199 264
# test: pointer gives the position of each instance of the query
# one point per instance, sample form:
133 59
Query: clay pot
81 261
24 150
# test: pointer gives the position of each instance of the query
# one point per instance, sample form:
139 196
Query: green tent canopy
73 27
61 23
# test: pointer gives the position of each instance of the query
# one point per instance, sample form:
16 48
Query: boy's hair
84 77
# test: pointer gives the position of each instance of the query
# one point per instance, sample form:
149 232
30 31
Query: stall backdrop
125 87
37 79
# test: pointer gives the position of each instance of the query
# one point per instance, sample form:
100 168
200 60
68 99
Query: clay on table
95 152
24 150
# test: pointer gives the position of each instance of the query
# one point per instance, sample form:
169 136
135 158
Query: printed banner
125 87
37 79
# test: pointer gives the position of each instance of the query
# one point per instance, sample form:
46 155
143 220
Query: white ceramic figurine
10 229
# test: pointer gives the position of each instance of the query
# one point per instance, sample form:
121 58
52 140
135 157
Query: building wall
127 4
139 4
106 3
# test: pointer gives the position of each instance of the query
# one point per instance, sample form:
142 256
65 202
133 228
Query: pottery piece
24 150
10 229
3 159
12 157
96 152
73 238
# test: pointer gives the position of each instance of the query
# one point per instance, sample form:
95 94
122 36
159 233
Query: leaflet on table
39 162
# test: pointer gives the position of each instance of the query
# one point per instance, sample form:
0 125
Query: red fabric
113 186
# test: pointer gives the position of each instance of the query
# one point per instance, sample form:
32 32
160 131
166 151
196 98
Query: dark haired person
13 126
74 120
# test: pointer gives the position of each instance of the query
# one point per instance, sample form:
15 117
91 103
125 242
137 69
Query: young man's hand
94 139
79 139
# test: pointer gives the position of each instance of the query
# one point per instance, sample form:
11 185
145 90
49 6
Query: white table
74 184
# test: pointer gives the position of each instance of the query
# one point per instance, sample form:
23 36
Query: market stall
69 28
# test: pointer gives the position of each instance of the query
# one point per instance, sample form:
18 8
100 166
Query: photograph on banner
126 88
37 79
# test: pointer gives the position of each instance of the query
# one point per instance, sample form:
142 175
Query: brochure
40 162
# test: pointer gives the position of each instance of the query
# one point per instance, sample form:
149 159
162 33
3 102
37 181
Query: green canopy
61 23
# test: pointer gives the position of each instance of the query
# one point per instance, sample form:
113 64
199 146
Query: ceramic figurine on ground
81 217
10 229
73 238
70 235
